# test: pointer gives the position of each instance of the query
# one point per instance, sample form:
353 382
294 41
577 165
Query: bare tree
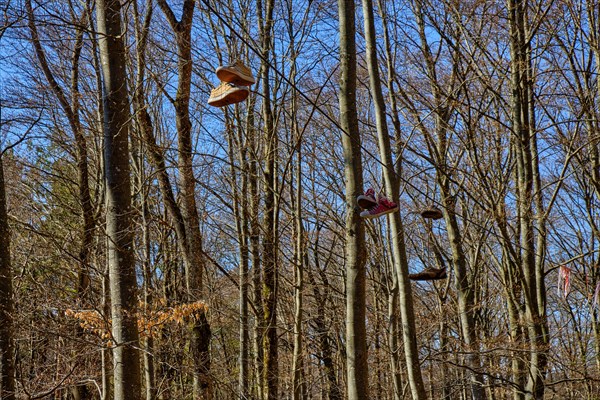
356 337
7 348
200 333
123 286
531 267
392 183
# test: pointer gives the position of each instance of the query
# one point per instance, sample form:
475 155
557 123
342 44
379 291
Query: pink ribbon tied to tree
564 280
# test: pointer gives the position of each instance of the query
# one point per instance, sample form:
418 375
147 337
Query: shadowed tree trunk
7 351
123 287
269 247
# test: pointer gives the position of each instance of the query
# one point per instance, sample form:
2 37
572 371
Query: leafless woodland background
246 250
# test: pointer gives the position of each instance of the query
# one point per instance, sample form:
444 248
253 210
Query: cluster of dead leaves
149 320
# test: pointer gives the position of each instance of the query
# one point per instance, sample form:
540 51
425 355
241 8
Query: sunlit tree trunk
123 287
354 253
298 384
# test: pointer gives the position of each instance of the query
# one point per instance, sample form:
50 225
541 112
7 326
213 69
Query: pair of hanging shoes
432 213
429 274
235 80
375 206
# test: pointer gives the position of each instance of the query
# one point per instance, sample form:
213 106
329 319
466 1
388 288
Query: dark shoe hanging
432 213
429 274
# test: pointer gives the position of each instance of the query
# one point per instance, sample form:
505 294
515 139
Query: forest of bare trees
154 247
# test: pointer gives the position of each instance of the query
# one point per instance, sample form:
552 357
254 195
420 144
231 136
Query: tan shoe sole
230 74
235 95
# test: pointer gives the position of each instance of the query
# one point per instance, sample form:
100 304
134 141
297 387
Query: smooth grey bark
298 384
123 287
240 211
392 184
7 345
299 390
354 250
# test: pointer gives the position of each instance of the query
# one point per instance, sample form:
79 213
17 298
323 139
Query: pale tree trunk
123 288
253 202
240 211
200 330
391 180
298 385
588 93
523 135
269 245
354 252
144 221
393 296
7 349
149 379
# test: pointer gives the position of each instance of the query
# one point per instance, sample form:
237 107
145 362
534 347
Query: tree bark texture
7 349
354 253
123 287
530 272
269 247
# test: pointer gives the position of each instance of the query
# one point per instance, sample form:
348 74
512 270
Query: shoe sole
229 98
369 216
230 75
422 277
432 214
365 202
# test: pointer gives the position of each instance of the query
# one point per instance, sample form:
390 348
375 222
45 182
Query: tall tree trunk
200 329
123 287
7 350
240 210
523 136
356 335
253 202
269 248
149 340
393 189
298 384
